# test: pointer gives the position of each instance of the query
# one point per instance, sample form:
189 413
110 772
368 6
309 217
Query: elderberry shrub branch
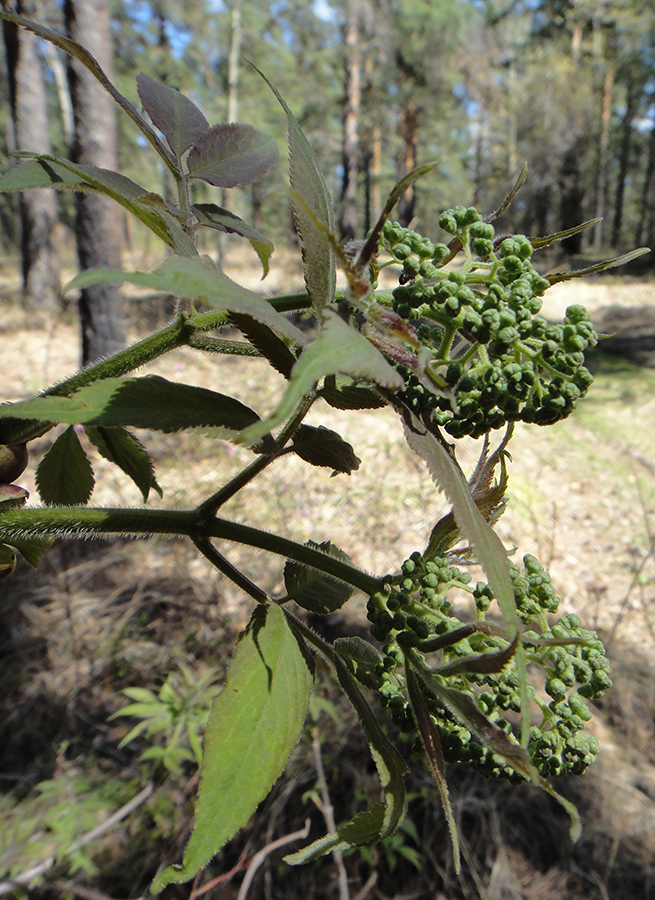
460 349
485 359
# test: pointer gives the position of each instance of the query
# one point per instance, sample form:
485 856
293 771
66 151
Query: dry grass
90 621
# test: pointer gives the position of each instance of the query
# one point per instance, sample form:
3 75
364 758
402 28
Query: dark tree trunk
37 209
624 163
98 219
406 160
571 212
646 199
348 221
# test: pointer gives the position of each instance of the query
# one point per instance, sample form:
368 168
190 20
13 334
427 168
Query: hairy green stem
169 337
83 522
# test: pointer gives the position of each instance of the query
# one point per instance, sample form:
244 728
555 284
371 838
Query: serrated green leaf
41 171
267 342
518 184
148 402
198 279
318 259
254 725
121 447
339 349
548 239
177 117
316 591
351 396
370 248
486 544
32 549
212 216
362 658
64 476
320 446
488 547
495 739
230 154
558 277
364 828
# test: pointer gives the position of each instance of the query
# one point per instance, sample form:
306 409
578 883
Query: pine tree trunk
37 209
98 223
571 212
603 156
406 160
624 163
348 221
645 201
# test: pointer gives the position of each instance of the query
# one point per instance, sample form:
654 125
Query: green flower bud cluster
492 358
416 613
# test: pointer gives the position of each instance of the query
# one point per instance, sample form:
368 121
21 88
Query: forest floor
582 499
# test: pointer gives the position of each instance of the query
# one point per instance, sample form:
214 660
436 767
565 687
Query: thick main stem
82 522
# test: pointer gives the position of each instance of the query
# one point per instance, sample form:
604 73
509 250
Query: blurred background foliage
381 85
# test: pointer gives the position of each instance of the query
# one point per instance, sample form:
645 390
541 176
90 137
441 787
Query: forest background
379 86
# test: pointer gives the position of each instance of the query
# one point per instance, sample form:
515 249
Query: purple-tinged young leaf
11 496
232 154
178 119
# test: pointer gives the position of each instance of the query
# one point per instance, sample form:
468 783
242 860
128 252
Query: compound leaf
254 725
230 154
64 476
177 117
127 452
